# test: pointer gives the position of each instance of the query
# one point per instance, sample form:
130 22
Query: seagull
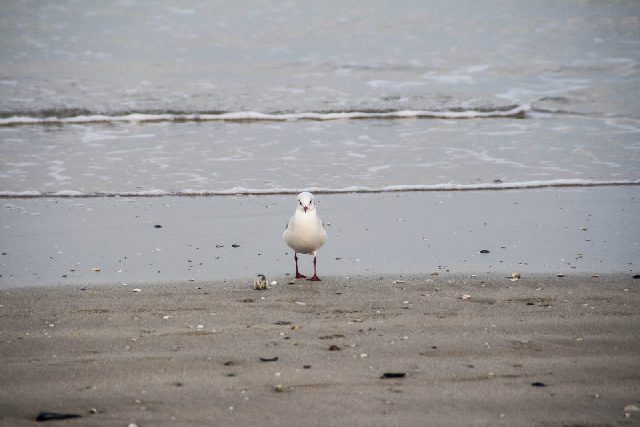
305 232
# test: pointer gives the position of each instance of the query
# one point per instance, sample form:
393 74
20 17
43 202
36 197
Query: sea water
162 98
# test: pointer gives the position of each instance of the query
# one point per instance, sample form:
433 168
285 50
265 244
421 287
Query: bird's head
306 202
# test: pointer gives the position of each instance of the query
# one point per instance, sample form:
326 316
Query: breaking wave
75 116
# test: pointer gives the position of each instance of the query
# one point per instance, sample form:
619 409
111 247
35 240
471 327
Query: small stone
278 388
269 359
538 384
560 275
465 296
636 276
301 303
484 251
306 367
93 411
631 408
247 300
157 226
96 269
393 375
136 290
50 416
334 348
235 245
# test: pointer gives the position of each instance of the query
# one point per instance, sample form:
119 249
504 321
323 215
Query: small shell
260 282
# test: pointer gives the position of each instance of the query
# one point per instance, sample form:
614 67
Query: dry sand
140 357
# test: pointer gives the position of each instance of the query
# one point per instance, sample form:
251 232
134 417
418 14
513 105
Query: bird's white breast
305 233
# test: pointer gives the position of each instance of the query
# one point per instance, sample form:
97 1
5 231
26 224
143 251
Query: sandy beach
484 350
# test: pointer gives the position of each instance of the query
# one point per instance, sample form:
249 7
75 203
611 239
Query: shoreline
189 354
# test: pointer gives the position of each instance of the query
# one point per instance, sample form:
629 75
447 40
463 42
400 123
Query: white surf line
519 111
240 191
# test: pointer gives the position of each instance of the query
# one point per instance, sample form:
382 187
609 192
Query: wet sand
49 241
117 356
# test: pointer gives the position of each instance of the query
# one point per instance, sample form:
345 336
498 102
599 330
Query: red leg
315 277
298 275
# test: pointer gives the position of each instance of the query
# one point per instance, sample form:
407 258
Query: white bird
305 232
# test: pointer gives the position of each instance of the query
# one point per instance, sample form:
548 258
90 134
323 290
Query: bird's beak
305 208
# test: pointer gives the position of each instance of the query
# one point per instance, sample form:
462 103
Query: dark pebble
231 374
281 322
4 253
229 363
393 375
247 300
334 348
470 366
157 226
51 416
530 303
637 276
306 367
178 384
538 384
484 251
269 359
235 245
